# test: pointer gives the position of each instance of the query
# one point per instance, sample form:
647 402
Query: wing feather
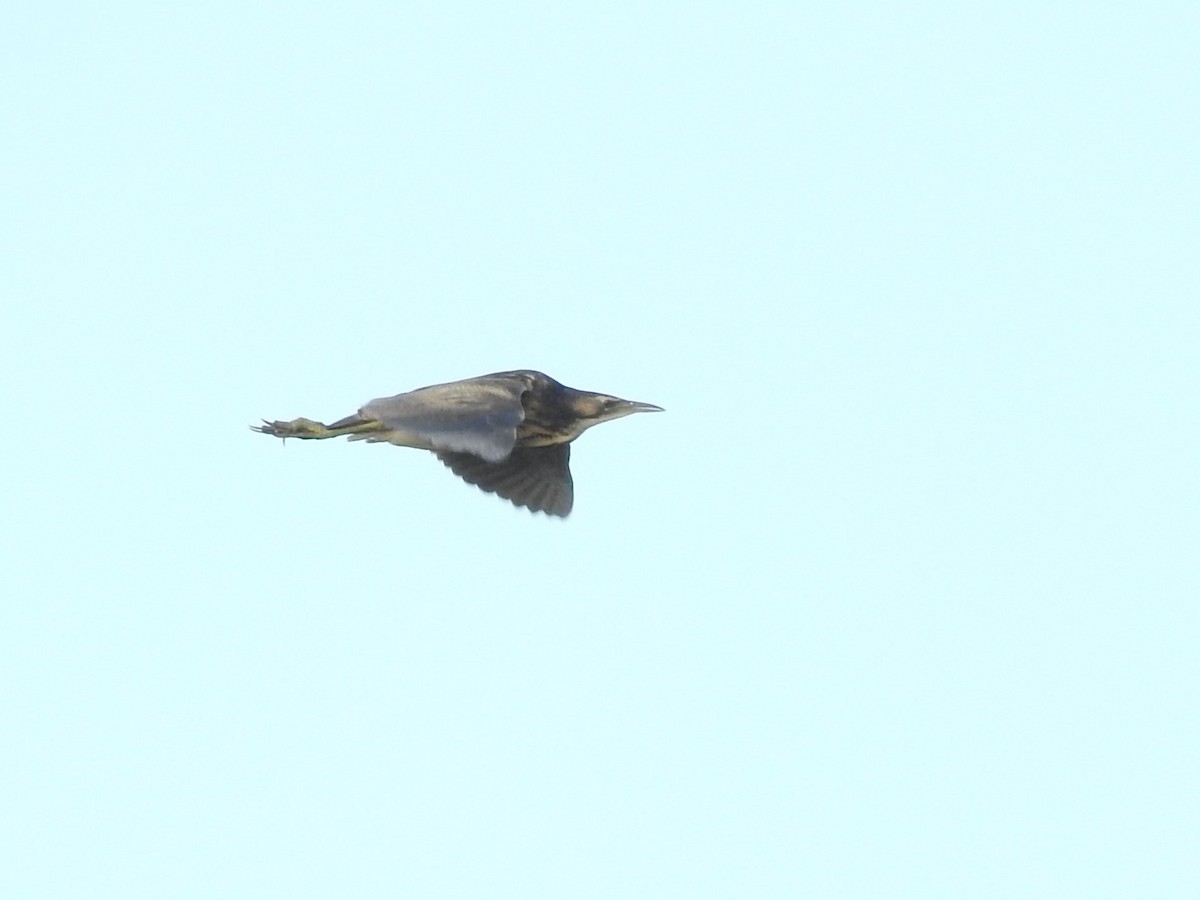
478 416
537 478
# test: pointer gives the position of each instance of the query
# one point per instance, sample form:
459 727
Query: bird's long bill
634 406
622 408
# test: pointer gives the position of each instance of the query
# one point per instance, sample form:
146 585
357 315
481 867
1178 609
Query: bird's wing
478 416
538 478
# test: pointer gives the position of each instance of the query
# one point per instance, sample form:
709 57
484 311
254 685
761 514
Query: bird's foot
306 429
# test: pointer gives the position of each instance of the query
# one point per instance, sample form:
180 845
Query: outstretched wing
538 478
478 416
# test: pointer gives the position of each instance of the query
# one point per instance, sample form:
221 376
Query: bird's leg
308 430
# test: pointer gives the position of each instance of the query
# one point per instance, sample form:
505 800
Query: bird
508 433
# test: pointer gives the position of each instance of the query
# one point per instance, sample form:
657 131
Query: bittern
509 433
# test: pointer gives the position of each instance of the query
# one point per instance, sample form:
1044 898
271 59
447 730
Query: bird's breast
537 435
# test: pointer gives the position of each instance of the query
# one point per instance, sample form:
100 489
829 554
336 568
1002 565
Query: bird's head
592 409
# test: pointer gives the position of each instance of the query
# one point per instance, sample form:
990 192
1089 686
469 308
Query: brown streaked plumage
509 433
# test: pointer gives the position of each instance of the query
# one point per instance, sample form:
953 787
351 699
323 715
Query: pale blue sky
897 599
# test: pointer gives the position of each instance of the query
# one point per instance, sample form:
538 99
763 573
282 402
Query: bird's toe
298 428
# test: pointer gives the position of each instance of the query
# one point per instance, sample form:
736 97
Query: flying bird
508 433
